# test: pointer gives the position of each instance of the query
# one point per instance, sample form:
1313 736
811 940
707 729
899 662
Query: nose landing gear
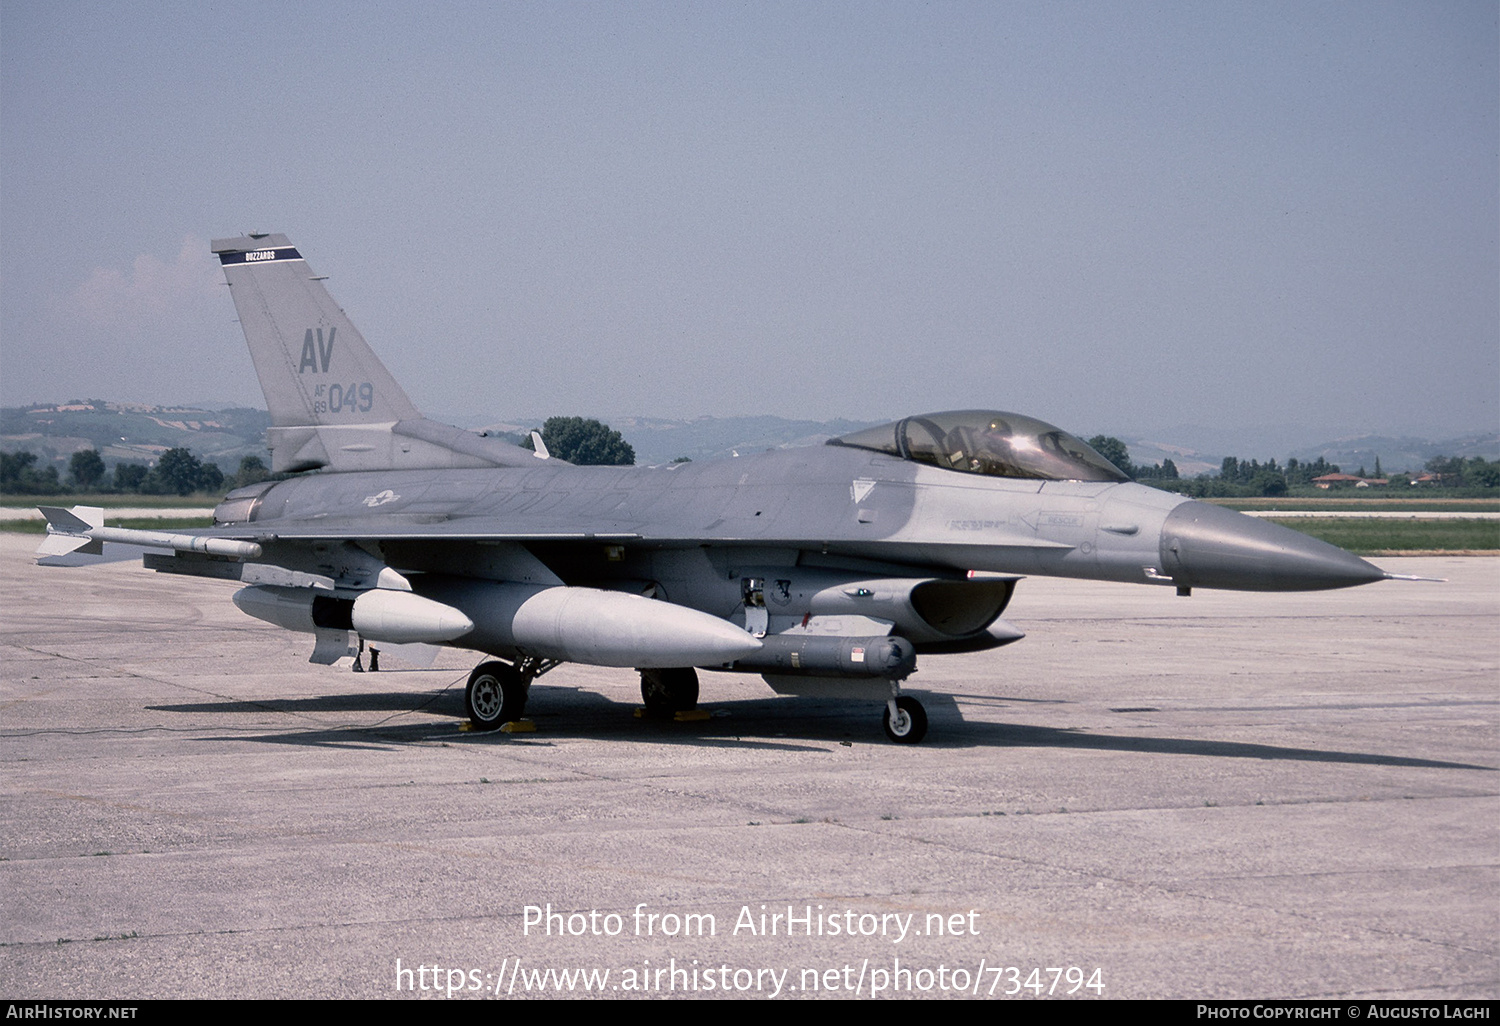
905 719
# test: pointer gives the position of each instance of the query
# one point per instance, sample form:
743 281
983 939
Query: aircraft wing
552 528
79 532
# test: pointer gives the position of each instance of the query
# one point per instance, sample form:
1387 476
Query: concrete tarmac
1222 796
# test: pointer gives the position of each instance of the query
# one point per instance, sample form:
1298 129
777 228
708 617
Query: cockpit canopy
987 442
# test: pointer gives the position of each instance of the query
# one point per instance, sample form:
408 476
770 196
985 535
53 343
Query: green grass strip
1367 536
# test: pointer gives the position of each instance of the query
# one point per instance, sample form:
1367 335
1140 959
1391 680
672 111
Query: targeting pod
890 657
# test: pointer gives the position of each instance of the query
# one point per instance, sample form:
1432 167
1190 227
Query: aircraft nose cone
1212 547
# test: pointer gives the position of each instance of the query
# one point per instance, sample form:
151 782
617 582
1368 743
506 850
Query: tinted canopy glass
987 442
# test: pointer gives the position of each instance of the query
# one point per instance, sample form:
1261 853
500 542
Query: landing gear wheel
496 695
908 725
667 692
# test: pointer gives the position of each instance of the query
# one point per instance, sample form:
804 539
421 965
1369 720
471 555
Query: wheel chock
518 727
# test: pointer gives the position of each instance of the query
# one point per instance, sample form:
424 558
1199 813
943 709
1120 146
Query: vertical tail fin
313 363
333 403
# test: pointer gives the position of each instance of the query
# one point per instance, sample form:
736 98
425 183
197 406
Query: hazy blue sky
1116 216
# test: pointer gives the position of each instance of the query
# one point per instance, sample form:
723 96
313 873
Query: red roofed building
1345 480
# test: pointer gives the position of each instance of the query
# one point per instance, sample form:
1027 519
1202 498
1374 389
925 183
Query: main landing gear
497 691
667 692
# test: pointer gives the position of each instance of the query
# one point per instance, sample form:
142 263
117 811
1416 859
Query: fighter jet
833 566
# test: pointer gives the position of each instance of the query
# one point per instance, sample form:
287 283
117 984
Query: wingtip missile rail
81 529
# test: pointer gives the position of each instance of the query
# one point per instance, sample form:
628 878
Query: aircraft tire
669 691
910 724
496 695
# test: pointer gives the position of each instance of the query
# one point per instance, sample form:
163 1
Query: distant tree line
19 475
1252 477
1457 472
1239 478
591 443
176 472
1114 450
